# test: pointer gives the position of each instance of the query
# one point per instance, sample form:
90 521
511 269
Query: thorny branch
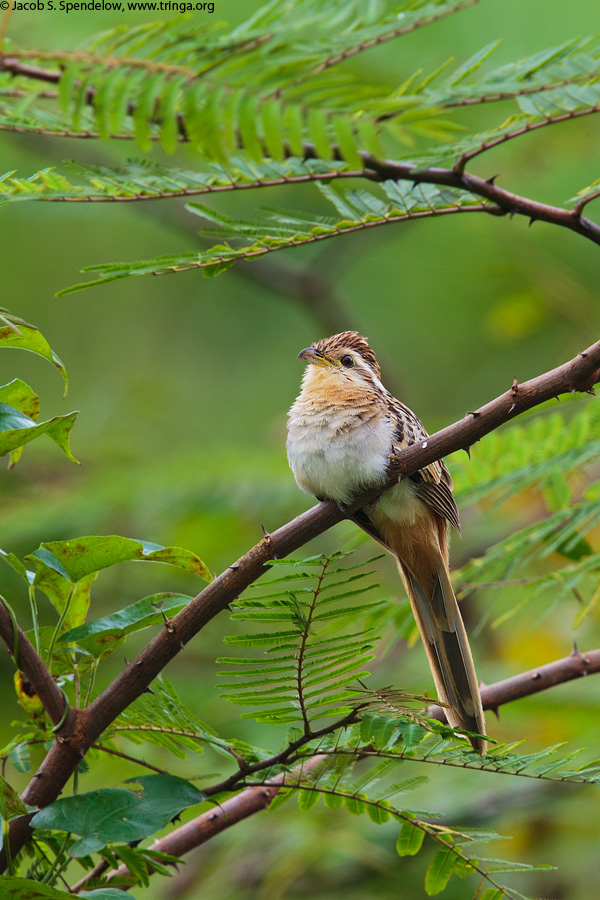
501 201
254 799
82 728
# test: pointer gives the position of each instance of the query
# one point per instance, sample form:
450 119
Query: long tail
445 639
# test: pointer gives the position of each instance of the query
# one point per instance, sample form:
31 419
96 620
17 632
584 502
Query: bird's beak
312 355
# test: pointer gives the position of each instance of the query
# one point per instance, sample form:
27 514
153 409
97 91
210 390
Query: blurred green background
183 385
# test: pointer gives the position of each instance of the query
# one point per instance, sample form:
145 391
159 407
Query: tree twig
255 799
84 727
30 663
577 665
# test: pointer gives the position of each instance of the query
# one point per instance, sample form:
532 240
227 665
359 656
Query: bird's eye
347 361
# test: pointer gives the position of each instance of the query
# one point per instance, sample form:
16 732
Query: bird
344 429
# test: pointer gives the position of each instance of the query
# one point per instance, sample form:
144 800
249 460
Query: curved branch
83 729
518 132
28 661
577 665
254 799
514 204
388 36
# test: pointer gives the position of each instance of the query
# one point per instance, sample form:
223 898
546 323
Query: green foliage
373 792
263 105
20 888
19 404
305 673
555 558
115 814
160 718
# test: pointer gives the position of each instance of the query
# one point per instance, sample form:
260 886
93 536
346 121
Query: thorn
532 220
536 676
494 709
575 650
148 691
515 385
491 180
168 623
234 566
182 645
474 414
467 451
583 354
269 540
512 212
512 406
81 752
126 660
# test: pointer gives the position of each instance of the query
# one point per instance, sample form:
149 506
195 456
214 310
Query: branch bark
375 169
29 662
254 799
84 727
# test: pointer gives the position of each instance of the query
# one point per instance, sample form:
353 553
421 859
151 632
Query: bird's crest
348 340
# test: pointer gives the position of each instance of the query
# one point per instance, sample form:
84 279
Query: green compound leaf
115 814
439 872
410 839
76 558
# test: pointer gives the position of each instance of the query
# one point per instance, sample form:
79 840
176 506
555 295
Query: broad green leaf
15 563
115 814
20 757
14 888
17 429
62 655
105 893
11 804
81 556
20 396
60 592
132 618
23 336
410 839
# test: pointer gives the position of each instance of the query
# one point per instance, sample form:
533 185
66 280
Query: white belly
336 462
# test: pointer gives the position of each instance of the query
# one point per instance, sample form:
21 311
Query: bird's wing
438 497
434 482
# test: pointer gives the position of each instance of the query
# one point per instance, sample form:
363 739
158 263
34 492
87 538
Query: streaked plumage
342 429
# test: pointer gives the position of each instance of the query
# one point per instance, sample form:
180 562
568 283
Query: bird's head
346 354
